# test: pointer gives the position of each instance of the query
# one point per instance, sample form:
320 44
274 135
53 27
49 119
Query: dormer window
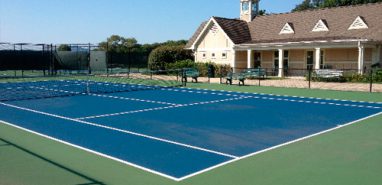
359 23
320 26
287 29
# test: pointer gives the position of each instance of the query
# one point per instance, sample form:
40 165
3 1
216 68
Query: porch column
281 63
361 51
233 63
318 58
250 58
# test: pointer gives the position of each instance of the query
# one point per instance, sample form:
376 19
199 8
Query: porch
295 59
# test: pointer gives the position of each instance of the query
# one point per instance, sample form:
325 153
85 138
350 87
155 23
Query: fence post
371 80
184 78
259 81
310 77
220 74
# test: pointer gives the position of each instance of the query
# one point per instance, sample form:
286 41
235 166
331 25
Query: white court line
202 171
160 108
200 89
104 96
279 146
120 130
92 151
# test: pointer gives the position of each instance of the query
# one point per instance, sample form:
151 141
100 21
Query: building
347 38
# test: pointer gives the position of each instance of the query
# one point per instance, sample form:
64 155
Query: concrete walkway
300 82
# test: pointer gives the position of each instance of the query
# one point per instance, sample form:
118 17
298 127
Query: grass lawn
351 156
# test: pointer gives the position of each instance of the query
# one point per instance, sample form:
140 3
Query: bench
247 73
328 74
254 73
235 76
192 73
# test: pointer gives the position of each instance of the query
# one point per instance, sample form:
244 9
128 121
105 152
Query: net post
89 60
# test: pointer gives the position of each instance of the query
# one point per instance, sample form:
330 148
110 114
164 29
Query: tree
263 12
314 4
167 54
118 43
64 47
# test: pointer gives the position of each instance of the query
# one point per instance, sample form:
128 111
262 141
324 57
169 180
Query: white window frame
358 24
213 55
287 29
224 53
320 26
204 55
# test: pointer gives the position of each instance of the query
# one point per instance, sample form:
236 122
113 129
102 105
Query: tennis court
173 132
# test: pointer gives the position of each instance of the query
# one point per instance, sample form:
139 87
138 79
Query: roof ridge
321 9
232 19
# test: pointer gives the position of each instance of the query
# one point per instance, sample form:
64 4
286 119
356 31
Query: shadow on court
92 181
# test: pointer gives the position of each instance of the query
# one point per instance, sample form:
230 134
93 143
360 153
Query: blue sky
84 21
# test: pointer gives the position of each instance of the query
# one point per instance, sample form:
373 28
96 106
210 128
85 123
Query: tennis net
26 89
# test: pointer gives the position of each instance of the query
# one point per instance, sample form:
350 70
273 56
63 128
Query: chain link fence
326 79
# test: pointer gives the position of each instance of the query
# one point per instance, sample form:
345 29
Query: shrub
164 55
200 66
181 64
377 75
220 69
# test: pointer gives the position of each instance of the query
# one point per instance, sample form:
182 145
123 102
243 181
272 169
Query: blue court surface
177 132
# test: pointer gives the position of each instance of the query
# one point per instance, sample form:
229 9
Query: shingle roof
267 28
237 30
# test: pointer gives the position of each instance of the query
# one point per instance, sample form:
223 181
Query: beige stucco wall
297 59
241 60
267 59
219 59
214 43
346 58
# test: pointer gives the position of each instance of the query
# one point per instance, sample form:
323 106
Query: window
320 26
254 7
359 23
322 58
245 6
224 55
287 29
213 55
204 55
285 61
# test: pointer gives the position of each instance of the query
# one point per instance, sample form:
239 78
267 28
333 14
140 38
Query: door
257 60
309 60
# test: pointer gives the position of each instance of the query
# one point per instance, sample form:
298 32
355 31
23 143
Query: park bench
191 73
247 73
328 74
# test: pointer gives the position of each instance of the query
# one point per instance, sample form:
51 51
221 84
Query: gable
358 23
213 38
287 29
320 26
235 31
